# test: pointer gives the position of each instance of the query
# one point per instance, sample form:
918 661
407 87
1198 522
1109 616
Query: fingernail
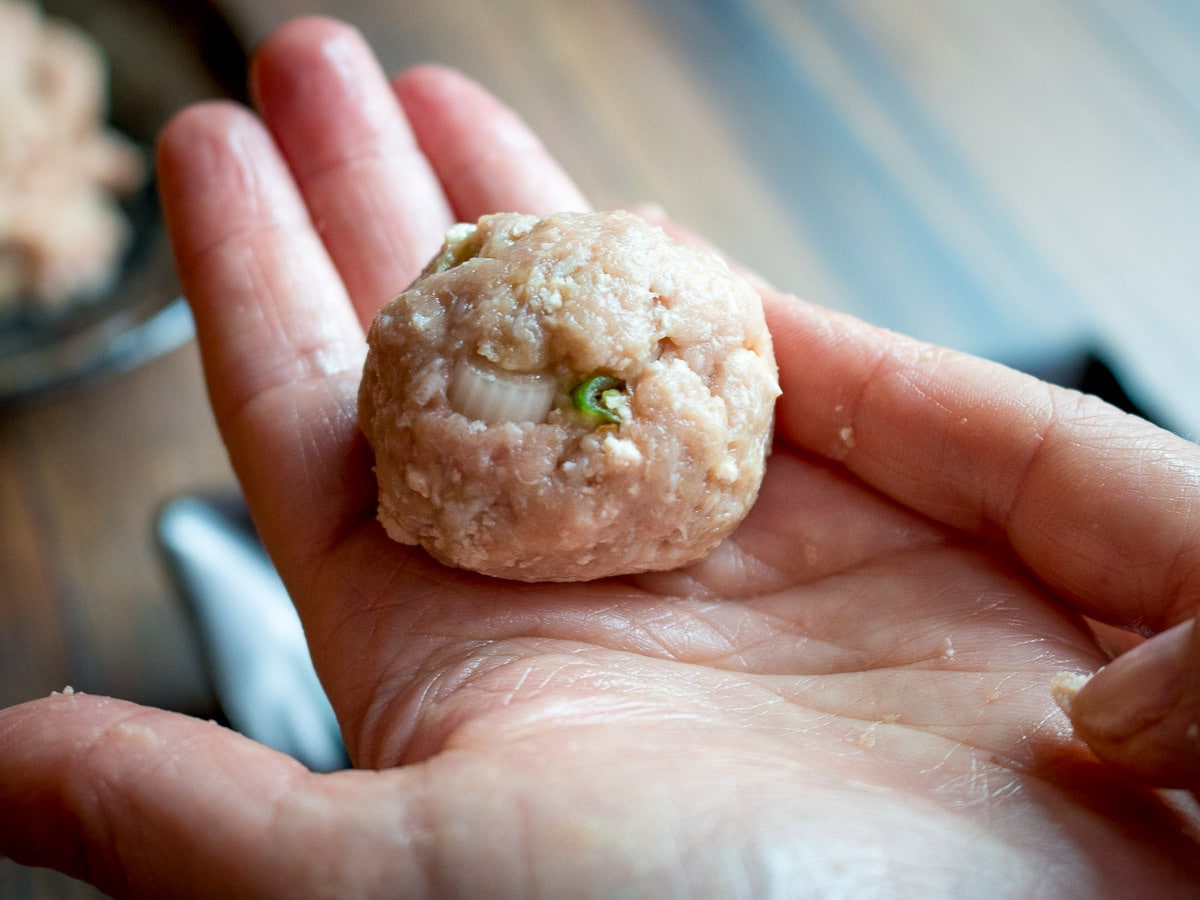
1065 686
1136 690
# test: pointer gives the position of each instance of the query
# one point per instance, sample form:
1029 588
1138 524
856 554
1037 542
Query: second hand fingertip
1141 712
1138 688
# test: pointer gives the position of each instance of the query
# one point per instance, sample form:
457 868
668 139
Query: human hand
850 695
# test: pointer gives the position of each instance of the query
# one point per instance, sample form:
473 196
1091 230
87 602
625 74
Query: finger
147 803
486 158
282 347
1103 506
1142 711
372 194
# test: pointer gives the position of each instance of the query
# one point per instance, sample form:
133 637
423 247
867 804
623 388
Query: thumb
1141 712
142 802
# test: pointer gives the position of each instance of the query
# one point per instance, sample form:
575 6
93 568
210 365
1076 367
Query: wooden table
1019 180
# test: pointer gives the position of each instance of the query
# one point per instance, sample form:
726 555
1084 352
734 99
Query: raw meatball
568 398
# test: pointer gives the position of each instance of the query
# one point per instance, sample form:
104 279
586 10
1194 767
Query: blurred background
1019 180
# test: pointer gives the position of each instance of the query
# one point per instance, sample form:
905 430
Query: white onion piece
484 392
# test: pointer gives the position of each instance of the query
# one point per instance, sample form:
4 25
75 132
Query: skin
851 695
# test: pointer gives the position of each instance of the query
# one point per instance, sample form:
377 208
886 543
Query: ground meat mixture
62 231
568 398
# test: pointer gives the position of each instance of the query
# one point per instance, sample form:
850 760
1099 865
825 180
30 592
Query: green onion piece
599 397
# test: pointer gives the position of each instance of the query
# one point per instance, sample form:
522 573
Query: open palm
850 695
